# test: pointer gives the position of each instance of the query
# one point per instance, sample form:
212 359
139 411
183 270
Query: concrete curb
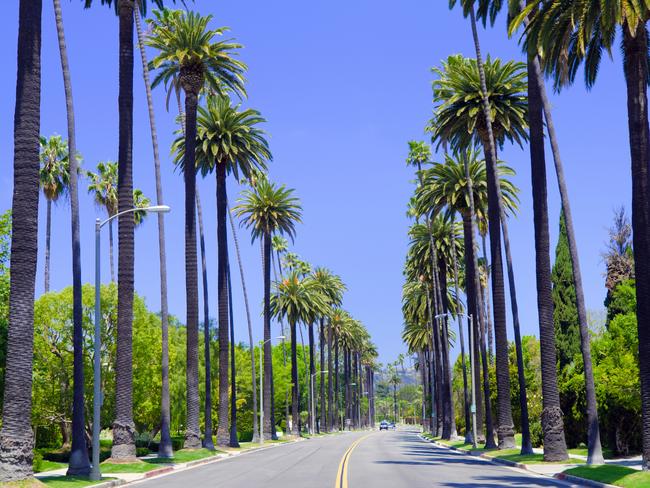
109 484
583 481
156 472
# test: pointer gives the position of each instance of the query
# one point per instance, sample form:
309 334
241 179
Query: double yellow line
342 473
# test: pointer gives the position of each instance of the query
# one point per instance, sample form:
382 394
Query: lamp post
262 344
95 475
472 365
312 423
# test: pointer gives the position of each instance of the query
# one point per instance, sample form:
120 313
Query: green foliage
565 311
5 249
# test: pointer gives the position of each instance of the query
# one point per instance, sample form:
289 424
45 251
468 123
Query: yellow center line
342 473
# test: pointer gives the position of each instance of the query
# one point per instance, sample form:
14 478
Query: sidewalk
619 472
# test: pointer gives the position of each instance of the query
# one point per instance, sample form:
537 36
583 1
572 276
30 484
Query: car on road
383 425
391 425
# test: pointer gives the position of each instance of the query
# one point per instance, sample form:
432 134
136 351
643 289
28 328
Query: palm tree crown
188 56
297 299
55 167
458 116
268 208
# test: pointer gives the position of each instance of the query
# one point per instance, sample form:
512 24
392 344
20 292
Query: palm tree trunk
284 351
165 445
79 463
323 414
433 385
505 430
250 326
635 65
295 396
468 430
48 232
16 436
207 434
488 300
449 398
330 368
472 309
552 423
192 429
594 448
234 438
123 426
337 404
266 258
110 251
223 431
526 444
312 370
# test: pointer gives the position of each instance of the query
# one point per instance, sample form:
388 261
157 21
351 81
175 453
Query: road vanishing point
388 459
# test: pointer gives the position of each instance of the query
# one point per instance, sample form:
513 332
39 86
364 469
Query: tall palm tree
229 140
446 185
103 184
460 118
296 299
16 438
332 287
266 209
590 34
79 463
189 55
55 180
165 444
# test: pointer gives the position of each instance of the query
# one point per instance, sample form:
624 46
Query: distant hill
408 376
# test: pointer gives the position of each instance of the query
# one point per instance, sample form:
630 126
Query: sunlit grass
613 475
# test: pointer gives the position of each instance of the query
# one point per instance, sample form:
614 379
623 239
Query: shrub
536 434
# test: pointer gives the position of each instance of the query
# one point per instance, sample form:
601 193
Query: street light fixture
95 475
472 366
312 423
262 344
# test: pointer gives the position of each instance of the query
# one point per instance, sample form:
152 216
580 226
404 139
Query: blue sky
344 85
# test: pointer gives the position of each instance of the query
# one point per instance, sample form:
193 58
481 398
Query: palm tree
104 186
16 437
228 140
296 299
165 444
459 118
189 57
79 463
446 185
55 179
266 209
590 34
332 287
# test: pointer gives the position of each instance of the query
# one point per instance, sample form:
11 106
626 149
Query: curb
505 462
155 472
582 481
109 484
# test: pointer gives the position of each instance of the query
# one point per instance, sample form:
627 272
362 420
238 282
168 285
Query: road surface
392 459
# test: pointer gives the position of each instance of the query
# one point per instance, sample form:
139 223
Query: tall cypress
565 313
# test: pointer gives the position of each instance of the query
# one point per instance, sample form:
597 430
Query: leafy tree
5 246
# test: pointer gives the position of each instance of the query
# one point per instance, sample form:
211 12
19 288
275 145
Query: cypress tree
565 315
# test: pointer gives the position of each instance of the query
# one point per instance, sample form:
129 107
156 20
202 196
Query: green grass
582 451
46 465
515 456
613 475
183 456
69 481
141 467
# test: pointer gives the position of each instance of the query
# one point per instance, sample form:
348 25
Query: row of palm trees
215 136
485 104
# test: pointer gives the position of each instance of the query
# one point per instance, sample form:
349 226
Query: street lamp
95 475
262 344
472 365
312 423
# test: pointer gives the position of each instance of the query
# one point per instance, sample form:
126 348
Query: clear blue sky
344 85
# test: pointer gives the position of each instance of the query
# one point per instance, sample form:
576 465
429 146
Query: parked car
383 425
391 425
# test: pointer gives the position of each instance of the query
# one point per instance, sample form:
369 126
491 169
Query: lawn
582 451
69 481
139 467
613 475
515 456
183 456
45 465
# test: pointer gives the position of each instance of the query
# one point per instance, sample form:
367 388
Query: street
356 460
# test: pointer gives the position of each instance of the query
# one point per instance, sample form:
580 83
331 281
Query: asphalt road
391 459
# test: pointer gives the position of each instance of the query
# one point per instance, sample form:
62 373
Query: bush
142 451
245 436
38 462
536 434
